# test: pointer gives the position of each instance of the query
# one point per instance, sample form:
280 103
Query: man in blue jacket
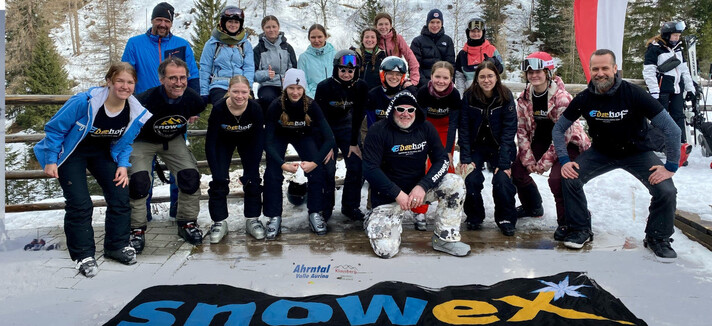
146 51
394 156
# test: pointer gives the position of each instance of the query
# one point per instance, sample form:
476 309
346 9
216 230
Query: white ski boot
254 227
218 231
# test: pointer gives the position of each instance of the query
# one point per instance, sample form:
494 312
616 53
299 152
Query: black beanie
163 10
403 97
435 14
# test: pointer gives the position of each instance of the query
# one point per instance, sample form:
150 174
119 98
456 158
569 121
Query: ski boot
218 231
88 267
419 222
458 248
191 233
254 227
274 227
138 240
125 255
317 224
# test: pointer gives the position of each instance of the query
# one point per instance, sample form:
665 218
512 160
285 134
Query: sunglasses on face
346 70
401 109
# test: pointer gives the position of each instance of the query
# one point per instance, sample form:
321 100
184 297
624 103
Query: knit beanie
163 10
294 77
434 14
403 97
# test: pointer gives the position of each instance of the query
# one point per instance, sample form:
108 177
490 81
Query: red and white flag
599 25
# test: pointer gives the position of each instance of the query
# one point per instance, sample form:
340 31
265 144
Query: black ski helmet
297 192
392 63
671 27
346 59
232 13
475 23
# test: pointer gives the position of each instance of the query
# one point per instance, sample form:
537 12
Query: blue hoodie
318 64
216 70
146 51
72 122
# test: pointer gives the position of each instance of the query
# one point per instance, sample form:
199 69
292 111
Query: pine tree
552 24
366 14
701 26
44 75
495 16
206 17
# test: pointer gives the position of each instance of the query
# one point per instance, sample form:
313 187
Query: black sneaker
473 226
536 213
88 267
507 228
125 255
661 248
191 233
561 232
353 214
577 238
138 240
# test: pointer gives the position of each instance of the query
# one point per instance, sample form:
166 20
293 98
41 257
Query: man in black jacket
171 104
395 152
617 115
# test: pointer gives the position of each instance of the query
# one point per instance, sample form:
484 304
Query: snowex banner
569 298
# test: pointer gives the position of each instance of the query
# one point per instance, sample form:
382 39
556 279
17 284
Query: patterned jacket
558 100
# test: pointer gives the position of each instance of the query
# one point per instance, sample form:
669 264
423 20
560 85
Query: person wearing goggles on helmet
664 71
273 56
394 45
338 97
432 45
316 61
295 119
226 54
476 50
488 125
393 158
538 108
392 74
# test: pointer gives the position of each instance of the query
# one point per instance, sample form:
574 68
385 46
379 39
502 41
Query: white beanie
294 77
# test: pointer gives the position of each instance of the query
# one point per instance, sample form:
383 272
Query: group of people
393 111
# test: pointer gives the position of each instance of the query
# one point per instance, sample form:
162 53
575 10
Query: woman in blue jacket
94 130
317 60
226 54
488 124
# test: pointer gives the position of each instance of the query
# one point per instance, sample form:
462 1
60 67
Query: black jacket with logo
617 120
297 128
394 159
438 108
169 120
339 100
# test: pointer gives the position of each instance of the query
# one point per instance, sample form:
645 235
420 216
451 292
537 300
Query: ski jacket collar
327 48
279 40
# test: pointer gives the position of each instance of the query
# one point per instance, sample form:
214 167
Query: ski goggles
393 65
401 109
680 26
476 24
536 64
348 60
233 13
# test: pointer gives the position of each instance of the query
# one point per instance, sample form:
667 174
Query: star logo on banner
561 289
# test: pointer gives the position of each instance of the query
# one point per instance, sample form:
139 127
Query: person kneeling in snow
395 152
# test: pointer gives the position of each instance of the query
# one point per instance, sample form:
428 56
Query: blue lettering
353 309
240 314
149 311
277 312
